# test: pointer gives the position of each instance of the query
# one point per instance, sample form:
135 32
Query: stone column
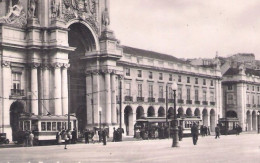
108 98
95 95
64 91
89 100
113 99
57 89
46 88
34 88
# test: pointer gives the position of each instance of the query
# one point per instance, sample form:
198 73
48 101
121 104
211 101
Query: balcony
128 98
180 101
151 99
205 102
140 99
248 105
161 100
212 103
197 102
170 100
188 101
17 92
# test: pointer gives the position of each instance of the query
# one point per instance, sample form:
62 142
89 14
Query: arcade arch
150 112
16 109
161 112
139 112
128 117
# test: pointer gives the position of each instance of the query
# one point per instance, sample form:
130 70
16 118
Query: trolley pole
120 104
175 142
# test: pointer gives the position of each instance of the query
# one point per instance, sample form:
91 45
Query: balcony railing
248 105
161 99
140 99
151 99
212 103
128 98
205 102
171 100
180 101
17 92
188 101
197 102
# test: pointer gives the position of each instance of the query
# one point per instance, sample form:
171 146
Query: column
64 90
95 97
108 98
57 89
34 88
89 100
113 99
46 88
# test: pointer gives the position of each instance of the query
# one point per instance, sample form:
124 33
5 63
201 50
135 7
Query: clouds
188 28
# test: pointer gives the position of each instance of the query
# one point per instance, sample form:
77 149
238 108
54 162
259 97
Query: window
43 126
196 81
247 99
188 93
230 99
160 76
150 75
188 79
230 87
258 100
258 89
150 90
211 83
48 126
253 88
179 78
170 77
170 93
179 93
59 126
204 95
196 95
140 90
212 96
127 71
253 99
204 81
54 126
127 89
247 87
16 78
139 73
160 91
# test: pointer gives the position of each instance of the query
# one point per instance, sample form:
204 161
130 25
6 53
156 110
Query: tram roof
163 119
46 117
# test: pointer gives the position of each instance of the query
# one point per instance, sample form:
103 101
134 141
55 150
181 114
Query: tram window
59 126
43 125
54 126
21 125
27 125
34 125
48 126
69 125
63 125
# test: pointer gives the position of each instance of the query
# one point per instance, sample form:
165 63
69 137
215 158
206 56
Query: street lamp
258 127
175 142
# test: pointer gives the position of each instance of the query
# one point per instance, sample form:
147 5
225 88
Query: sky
188 28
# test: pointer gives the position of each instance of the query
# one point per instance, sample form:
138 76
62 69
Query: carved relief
32 8
16 16
57 65
105 18
6 64
45 66
34 65
80 9
66 65
55 9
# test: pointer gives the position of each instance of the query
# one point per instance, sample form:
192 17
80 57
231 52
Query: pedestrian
115 135
65 138
104 137
74 136
208 130
201 131
194 133
58 137
31 136
180 132
238 129
26 138
86 135
217 131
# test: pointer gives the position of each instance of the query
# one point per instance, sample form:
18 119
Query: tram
45 127
228 125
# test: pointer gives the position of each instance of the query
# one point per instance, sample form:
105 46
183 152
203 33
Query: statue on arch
55 9
32 8
105 18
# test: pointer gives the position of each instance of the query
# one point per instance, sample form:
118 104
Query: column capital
108 71
34 65
92 72
66 65
45 66
57 65
6 64
120 77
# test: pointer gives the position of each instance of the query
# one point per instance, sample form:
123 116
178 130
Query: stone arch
180 111
248 120
205 117
254 118
150 112
189 112
16 109
161 112
212 119
129 123
231 114
170 112
197 112
139 112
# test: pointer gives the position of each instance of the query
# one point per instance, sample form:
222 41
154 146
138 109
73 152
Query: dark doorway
15 112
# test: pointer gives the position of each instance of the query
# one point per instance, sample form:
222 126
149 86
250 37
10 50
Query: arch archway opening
161 112
139 112
180 112
128 117
248 121
150 112
254 118
197 112
188 112
205 117
16 109
231 114
212 119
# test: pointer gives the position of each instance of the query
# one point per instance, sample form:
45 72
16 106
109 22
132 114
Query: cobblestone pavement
232 148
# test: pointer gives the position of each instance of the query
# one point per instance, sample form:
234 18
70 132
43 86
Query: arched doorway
188 112
180 112
15 112
231 114
254 120
170 112
150 112
197 112
248 121
81 116
161 112
212 120
128 117
139 112
205 117
80 37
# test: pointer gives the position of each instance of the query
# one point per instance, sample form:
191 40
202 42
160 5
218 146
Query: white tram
45 127
187 121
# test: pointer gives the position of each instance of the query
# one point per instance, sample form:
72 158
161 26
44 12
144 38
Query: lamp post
100 110
175 142
258 127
